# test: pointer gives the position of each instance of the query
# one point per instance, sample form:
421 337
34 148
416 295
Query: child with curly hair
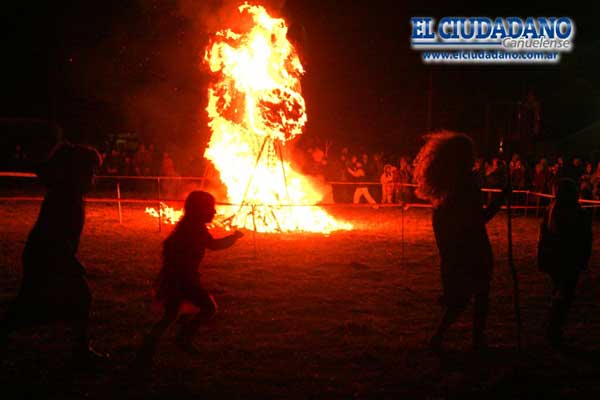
54 287
444 175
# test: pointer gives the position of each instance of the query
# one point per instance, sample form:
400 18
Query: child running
179 278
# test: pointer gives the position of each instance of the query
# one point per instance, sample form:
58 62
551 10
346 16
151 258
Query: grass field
304 316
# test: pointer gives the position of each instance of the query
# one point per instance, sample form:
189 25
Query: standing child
179 279
444 175
54 287
387 184
564 250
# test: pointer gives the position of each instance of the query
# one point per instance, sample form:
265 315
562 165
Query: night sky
100 67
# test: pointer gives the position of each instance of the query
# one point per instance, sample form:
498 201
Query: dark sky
98 67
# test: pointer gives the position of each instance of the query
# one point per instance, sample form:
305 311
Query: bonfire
255 108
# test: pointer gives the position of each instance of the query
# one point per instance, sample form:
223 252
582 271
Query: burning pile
255 106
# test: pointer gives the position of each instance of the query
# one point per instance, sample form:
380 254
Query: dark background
94 68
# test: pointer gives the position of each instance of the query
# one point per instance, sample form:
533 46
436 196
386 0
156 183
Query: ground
346 315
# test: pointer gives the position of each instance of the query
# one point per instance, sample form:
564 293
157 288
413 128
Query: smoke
170 105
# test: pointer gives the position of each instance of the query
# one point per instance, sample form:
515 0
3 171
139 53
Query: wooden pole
254 231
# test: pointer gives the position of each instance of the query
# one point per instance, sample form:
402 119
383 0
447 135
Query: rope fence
159 199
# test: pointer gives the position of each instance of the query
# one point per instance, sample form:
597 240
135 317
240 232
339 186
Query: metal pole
204 175
119 202
511 264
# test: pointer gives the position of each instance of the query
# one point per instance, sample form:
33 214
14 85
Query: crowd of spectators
354 175
147 161
381 179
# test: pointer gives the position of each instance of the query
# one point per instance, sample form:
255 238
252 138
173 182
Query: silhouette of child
564 249
444 174
387 184
53 286
179 279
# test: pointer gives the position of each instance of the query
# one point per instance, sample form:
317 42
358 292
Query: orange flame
255 106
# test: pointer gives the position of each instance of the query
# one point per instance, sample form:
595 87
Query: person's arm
223 243
351 172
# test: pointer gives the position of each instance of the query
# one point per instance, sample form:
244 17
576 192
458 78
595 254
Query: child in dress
179 278
444 175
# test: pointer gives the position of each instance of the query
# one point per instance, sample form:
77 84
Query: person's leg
451 313
82 297
480 313
148 349
564 294
208 308
368 196
357 195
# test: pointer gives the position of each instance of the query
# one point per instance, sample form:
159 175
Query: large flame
255 106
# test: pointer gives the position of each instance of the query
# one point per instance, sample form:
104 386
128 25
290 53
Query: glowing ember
255 107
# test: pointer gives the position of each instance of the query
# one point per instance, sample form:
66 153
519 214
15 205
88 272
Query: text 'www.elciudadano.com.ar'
488 56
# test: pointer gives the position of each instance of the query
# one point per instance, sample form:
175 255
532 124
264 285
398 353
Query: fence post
119 202
402 236
159 205
526 202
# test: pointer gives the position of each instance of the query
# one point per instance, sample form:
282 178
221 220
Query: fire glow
255 106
